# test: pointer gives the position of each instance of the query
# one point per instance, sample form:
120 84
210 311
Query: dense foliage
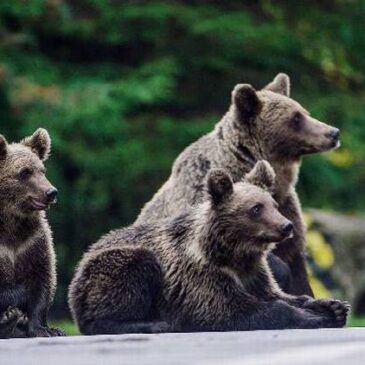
124 86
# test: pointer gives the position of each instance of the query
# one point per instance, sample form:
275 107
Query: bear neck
286 178
240 140
16 229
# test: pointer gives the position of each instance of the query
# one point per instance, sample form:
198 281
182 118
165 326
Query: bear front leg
337 309
40 290
35 327
299 301
281 315
37 305
292 250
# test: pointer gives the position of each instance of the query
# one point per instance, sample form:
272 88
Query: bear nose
334 134
287 228
51 194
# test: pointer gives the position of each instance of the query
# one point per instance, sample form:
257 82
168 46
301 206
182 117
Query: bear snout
51 195
334 135
287 229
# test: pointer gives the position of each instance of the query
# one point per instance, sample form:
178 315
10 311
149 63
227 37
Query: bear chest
15 264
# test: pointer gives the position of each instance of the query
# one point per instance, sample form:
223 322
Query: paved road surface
294 347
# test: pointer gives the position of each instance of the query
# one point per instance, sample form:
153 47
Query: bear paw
8 321
338 309
36 330
12 314
23 320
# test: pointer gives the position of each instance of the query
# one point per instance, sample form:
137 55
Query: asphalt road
294 347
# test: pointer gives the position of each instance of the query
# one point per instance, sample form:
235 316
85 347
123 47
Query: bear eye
297 119
256 210
24 174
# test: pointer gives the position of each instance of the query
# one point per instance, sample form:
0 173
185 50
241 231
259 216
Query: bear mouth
287 236
337 145
274 238
38 205
332 145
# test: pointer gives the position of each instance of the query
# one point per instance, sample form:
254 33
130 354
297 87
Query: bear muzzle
334 137
50 197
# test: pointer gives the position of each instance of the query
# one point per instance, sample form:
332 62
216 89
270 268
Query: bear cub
203 270
27 257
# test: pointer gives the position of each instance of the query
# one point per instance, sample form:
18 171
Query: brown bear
27 257
203 270
264 124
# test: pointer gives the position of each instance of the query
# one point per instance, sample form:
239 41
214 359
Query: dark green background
124 86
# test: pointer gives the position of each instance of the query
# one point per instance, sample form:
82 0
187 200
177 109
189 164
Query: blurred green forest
124 86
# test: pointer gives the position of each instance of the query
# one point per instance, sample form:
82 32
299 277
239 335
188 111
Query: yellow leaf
320 250
319 290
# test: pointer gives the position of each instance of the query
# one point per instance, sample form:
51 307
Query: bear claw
11 314
55 332
8 321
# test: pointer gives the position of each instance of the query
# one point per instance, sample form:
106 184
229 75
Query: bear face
285 130
244 215
24 187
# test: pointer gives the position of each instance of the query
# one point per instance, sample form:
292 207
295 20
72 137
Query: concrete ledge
294 347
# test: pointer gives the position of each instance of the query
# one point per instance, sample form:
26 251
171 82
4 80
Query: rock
346 235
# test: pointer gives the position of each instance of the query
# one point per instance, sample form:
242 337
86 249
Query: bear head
24 187
283 128
244 216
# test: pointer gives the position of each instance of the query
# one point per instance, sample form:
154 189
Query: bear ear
39 142
220 185
3 148
262 175
246 101
280 85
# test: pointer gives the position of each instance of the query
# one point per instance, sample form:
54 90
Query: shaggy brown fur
204 270
264 124
27 258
